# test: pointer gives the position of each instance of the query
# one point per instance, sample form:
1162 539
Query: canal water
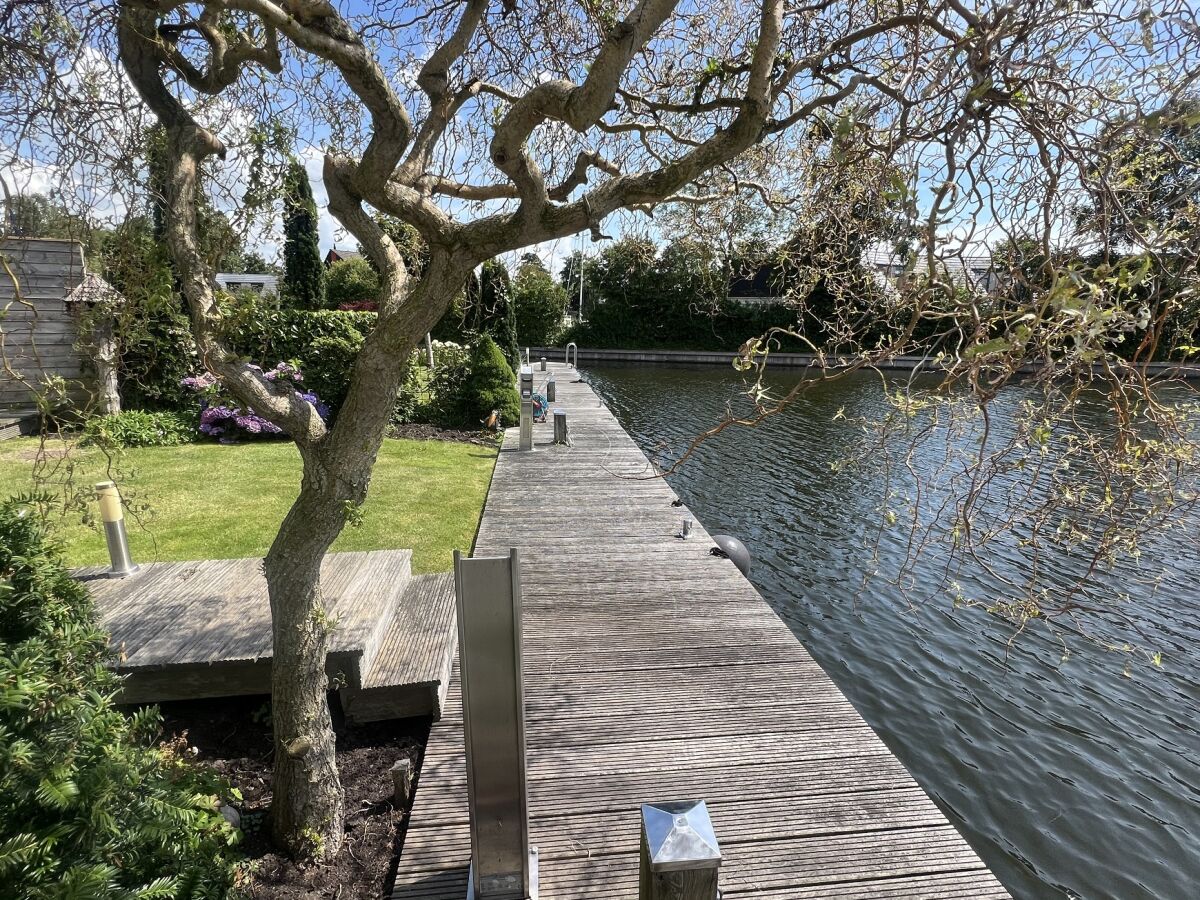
1070 778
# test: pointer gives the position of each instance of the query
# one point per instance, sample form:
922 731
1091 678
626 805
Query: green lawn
211 501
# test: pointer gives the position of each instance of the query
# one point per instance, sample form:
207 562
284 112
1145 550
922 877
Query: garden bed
419 432
234 737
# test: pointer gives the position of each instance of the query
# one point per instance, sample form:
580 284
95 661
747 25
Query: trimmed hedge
324 342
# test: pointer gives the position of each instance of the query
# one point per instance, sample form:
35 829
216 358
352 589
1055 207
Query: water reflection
1068 778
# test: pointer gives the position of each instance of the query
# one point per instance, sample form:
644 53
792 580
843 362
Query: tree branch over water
490 128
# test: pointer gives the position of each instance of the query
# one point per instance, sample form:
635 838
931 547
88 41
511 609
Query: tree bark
307 808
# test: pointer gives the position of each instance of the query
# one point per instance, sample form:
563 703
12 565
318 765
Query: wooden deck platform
203 629
655 671
16 423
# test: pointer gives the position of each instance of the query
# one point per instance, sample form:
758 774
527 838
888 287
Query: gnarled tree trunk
307 807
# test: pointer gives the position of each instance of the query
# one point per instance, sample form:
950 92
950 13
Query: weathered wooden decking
654 671
203 629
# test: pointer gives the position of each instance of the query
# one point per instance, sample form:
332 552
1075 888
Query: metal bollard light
526 442
113 516
560 426
550 388
503 864
680 855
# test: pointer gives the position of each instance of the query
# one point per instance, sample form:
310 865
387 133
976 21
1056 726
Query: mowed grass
212 501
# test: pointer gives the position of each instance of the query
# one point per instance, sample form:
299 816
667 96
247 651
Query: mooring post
113 516
550 388
560 426
543 362
503 865
526 408
680 855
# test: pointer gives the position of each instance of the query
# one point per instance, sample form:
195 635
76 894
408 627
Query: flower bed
225 419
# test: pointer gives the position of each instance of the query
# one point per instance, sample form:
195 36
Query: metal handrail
572 361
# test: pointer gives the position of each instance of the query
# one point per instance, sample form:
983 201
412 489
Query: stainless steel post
526 442
571 355
503 865
560 426
680 855
113 516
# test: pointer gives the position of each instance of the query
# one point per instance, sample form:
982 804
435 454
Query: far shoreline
782 360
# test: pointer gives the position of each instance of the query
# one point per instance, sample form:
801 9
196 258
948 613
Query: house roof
246 278
953 263
334 255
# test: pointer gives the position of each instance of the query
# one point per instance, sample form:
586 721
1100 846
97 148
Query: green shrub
411 400
327 363
89 807
151 327
351 281
137 428
490 385
324 342
444 403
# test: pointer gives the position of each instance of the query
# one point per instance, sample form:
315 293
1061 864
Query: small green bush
491 385
434 398
351 281
327 364
89 807
137 428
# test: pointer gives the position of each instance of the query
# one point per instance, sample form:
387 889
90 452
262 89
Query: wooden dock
187 630
655 671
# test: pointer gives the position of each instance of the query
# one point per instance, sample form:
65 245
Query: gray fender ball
735 550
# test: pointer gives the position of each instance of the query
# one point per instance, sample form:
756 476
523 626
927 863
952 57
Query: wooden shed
44 292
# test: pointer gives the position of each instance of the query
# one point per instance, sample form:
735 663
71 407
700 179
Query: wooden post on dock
680 856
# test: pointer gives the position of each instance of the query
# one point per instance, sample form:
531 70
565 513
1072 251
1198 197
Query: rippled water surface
1070 779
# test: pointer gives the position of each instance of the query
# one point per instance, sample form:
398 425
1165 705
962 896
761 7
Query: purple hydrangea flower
199 382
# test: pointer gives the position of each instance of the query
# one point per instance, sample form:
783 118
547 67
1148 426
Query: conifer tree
490 309
303 271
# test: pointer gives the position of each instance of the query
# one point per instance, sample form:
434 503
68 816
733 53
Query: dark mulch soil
234 737
433 433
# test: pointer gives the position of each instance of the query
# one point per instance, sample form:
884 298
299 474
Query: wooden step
187 630
411 672
18 422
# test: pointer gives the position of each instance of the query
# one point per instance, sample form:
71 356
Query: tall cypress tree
303 271
494 313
